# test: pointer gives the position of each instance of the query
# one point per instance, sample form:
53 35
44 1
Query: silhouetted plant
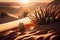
3 14
25 14
45 15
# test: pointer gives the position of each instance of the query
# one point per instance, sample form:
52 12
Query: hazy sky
23 0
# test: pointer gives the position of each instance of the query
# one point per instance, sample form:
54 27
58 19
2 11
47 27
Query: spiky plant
45 15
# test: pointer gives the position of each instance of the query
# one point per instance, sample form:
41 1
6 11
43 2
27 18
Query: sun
24 1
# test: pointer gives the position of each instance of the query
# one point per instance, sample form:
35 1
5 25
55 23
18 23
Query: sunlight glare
24 1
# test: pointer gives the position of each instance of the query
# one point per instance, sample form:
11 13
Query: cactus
45 15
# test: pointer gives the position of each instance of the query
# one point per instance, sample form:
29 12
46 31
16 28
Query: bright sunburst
24 1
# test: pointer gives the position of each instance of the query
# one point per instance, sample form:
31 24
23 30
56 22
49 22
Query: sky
25 0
